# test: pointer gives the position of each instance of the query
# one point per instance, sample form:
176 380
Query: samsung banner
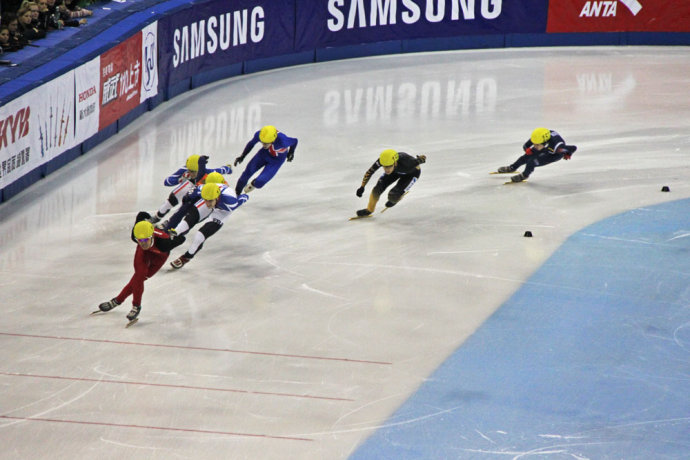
323 23
219 33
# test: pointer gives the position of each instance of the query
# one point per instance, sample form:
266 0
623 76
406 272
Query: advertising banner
120 80
149 59
323 23
219 33
619 16
36 127
87 86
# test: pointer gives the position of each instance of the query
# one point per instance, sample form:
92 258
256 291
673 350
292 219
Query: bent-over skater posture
276 148
398 167
220 200
153 248
542 148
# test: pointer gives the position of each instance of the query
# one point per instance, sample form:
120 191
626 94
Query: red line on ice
165 385
162 428
225 350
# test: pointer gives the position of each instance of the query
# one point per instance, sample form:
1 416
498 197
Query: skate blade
496 172
510 182
361 217
97 312
132 322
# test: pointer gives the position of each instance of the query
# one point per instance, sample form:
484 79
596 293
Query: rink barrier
134 23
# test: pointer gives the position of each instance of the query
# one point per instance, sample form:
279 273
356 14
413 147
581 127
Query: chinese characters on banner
120 80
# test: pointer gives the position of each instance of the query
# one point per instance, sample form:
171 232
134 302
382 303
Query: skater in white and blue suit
219 199
184 180
276 148
544 147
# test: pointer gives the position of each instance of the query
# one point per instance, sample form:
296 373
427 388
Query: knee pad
394 196
209 228
172 199
192 217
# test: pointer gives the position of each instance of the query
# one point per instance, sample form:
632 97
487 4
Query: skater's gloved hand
529 151
360 192
290 156
421 159
203 159
567 156
238 160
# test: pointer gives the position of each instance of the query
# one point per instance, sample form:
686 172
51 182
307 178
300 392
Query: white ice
295 333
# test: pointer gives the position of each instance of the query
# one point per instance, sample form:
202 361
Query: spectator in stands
75 11
47 20
63 14
26 28
17 41
5 45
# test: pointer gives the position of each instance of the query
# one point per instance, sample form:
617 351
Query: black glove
389 204
238 160
203 160
421 159
360 192
187 198
290 156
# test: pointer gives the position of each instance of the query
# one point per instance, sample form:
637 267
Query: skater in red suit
153 248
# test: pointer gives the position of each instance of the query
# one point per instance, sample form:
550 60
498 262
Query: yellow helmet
388 157
540 136
143 229
214 178
268 134
210 191
193 163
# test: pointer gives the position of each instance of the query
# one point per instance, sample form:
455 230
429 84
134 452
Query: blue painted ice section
590 359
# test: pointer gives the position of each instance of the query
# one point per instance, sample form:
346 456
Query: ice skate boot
249 187
179 262
505 169
134 312
518 178
109 305
363 212
133 315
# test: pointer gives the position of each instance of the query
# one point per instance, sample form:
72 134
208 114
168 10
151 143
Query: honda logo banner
619 16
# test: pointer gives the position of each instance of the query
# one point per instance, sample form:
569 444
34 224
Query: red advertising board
120 80
618 16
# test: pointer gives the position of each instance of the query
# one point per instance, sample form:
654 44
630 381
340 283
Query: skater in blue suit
276 148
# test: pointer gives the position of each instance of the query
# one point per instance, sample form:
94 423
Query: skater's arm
370 172
175 178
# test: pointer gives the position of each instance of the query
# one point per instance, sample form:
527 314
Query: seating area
57 42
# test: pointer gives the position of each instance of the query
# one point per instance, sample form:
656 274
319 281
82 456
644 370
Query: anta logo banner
618 16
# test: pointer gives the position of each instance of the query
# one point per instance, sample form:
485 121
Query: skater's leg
253 166
270 169
520 161
190 220
214 224
401 188
140 270
541 159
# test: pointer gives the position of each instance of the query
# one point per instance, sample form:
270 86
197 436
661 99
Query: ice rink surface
295 333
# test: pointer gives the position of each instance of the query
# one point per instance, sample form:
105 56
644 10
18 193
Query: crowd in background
24 21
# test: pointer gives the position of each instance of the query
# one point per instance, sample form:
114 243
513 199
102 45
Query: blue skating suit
270 159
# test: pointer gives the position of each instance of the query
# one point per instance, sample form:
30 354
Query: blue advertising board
324 23
218 33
